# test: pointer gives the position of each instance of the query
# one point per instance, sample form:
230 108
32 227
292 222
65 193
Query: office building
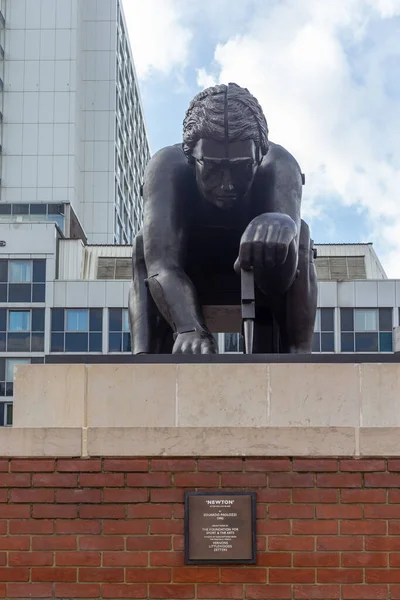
73 139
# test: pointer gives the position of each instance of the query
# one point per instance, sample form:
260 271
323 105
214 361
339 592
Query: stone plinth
208 409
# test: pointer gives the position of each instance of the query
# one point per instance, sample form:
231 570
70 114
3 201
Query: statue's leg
297 324
149 331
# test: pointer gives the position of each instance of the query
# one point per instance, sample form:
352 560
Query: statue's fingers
249 233
207 348
258 254
185 348
286 235
259 233
196 347
282 245
272 233
281 252
245 255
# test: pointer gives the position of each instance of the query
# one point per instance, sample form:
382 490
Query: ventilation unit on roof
340 268
114 268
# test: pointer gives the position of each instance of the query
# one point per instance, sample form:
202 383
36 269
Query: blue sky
328 77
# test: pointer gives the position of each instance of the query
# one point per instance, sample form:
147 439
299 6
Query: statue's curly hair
205 117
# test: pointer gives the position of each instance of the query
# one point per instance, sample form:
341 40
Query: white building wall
97 71
39 94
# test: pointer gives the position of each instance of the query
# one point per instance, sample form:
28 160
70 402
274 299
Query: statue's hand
195 342
267 242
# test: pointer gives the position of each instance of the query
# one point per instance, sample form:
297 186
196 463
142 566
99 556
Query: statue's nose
226 183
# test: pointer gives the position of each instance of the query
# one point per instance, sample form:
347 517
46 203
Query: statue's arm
166 195
282 182
270 242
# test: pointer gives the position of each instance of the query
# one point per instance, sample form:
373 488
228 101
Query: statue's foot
299 350
195 342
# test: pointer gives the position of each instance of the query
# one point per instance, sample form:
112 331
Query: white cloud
204 79
322 79
159 40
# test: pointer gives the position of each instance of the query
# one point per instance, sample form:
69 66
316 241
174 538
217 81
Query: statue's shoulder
168 155
167 171
279 156
276 152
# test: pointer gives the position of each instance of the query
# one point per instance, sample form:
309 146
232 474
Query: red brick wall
112 528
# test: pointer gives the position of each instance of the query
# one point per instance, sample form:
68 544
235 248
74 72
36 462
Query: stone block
49 396
131 395
380 395
222 441
314 395
36 441
222 395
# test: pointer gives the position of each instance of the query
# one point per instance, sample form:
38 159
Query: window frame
119 336
320 333
61 339
68 312
358 336
19 290
21 261
20 310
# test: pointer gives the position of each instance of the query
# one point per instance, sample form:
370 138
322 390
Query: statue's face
225 173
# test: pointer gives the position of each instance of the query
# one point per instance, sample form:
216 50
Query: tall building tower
73 138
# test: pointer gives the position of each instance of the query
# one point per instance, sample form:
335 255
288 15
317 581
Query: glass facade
22 330
131 146
20 271
366 329
233 342
76 330
119 337
324 336
34 212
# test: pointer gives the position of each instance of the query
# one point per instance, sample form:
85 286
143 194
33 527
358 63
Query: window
36 212
22 330
76 320
7 373
19 320
20 271
233 342
22 280
366 320
119 337
6 414
366 329
76 329
324 337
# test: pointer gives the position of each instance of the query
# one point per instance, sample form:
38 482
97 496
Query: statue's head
225 135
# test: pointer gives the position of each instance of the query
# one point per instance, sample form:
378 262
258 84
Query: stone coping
216 359
200 441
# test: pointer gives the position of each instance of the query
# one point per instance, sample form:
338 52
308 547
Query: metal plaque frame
252 525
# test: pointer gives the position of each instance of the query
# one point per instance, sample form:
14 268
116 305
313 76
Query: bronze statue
226 199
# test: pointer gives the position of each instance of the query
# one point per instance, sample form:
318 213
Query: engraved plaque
220 527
